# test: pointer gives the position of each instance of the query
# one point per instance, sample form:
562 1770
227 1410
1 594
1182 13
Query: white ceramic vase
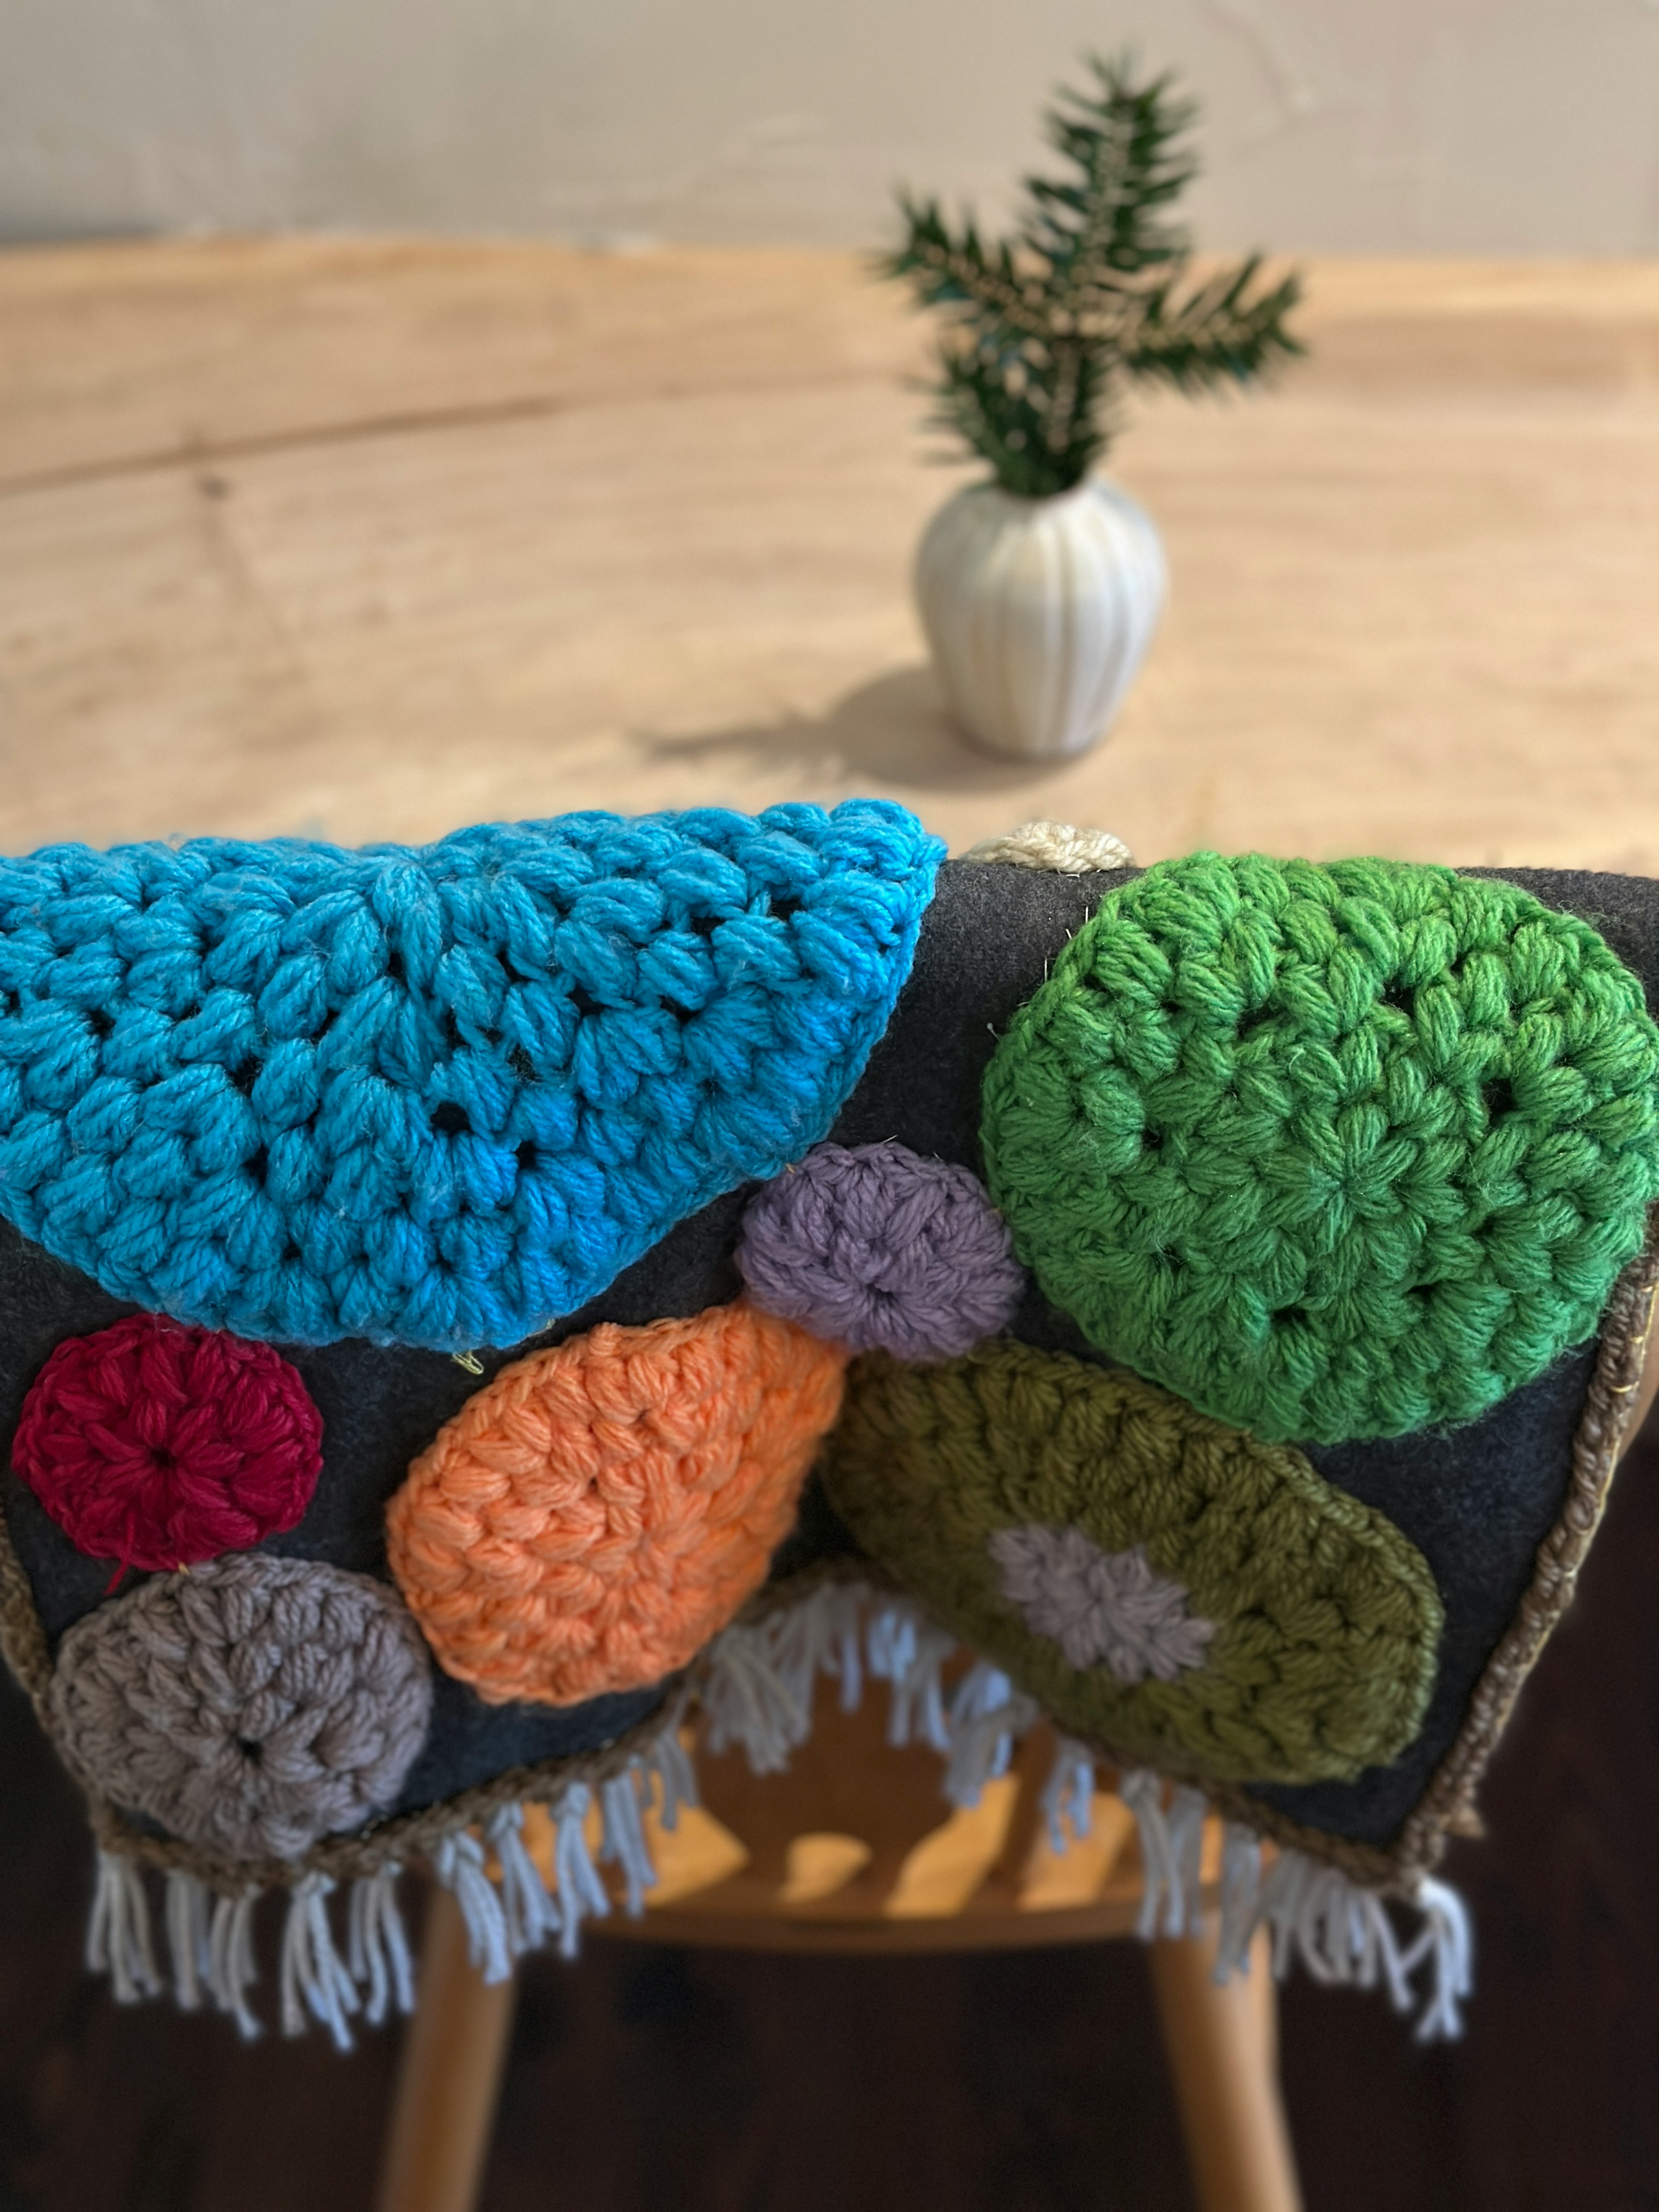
1038 611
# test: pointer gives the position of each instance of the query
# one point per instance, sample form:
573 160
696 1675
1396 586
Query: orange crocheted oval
591 1518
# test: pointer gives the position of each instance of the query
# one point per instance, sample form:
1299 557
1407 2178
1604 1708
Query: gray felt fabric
1476 1502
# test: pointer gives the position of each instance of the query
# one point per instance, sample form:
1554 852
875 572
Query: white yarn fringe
210 1945
1240 1899
314 1977
1171 1847
907 1652
529 1915
117 1935
1333 1929
623 1844
232 1967
1342 1934
758 1692
458 1864
377 1953
986 1716
1068 1795
582 1895
187 1917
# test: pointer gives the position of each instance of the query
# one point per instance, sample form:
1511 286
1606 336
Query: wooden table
366 540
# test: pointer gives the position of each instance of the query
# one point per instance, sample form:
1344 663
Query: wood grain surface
366 540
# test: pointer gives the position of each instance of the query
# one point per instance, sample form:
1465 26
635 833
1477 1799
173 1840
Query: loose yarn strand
1142 1791
667 1767
314 1977
1447 1940
458 1864
1184 1907
581 1893
529 1913
1240 1899
378 1956
623 1844
905 1650
1067 1800
1341 1933
190 1943
987 1713
746 1701
118 1941
232 1967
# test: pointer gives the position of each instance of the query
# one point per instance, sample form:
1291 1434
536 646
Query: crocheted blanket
461 1304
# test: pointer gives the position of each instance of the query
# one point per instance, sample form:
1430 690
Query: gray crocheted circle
252 1705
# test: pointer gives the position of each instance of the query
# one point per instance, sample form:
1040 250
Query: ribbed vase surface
1039 612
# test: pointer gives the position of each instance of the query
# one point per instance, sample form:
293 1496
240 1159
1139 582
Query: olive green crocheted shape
1326 1618
1334 1151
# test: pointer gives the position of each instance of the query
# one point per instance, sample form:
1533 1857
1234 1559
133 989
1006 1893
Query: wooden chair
854 1850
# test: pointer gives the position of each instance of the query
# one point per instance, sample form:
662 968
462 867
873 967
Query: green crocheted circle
1323 1620
1335 1151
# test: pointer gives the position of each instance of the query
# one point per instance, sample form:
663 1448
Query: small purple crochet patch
880 1249
1102 1608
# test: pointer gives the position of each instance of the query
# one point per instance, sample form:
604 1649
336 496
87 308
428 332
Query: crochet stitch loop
1335 1151
591 1518
435 1096
876 1248
252 1706
160 1446
1326 1619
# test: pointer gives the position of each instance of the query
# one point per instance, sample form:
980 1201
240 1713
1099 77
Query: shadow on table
895 729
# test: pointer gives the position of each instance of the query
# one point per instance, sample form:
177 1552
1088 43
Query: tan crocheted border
1447 1806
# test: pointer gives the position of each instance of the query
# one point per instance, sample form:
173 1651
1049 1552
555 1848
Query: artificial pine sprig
1044 329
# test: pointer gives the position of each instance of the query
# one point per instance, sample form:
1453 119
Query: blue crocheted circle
435 1096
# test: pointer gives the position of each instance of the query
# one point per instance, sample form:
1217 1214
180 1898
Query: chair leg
1222 2045
453 2058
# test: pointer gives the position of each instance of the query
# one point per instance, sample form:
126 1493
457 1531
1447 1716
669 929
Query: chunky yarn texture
1053 845
435 1096
1320 1620
251 1706
159 1446
1334 1151
588 1521
879 1248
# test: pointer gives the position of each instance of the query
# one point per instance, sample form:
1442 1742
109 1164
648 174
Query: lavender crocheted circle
251 1706
876 1248
1107 1609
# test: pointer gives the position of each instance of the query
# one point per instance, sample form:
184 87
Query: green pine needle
1043 331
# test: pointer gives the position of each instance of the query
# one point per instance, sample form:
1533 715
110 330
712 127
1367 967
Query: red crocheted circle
159 1446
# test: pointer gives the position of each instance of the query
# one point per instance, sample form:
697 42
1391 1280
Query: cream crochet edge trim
1057 846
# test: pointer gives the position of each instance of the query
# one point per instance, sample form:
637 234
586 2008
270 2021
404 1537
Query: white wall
1392 125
